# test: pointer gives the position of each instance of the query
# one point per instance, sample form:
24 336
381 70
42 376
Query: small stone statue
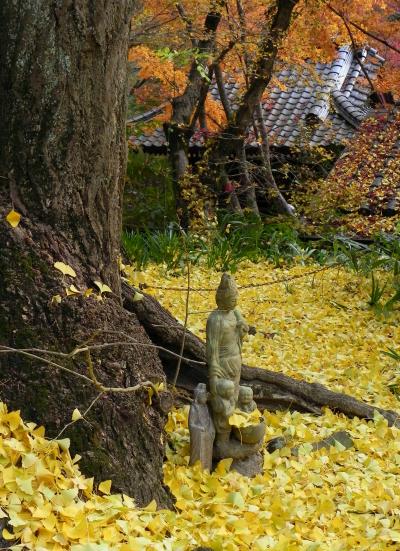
223 406
225 331
254 433
245 400
201 428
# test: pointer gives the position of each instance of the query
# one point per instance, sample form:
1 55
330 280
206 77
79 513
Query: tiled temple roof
333 95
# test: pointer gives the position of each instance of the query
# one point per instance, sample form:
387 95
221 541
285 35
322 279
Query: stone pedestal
249 466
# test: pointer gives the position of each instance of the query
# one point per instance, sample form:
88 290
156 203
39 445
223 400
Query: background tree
253 37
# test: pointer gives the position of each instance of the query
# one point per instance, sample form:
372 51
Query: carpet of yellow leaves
328 500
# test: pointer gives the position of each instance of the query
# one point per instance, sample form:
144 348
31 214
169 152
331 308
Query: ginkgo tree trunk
62 168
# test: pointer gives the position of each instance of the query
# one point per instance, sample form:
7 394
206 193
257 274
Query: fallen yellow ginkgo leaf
105 487
242 419
103 287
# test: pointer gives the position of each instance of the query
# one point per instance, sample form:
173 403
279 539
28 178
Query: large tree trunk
62 167
272 390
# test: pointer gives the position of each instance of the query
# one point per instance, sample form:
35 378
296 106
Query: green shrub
148 198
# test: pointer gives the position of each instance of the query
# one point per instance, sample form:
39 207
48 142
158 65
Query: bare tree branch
355 48
222 91
364 31
277 23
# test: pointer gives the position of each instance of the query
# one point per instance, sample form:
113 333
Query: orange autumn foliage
314 35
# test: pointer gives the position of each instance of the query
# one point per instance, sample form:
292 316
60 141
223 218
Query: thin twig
240 287
364 31
178 367
81 349
92 374
92 379
124 343
360 62
24 352
83 416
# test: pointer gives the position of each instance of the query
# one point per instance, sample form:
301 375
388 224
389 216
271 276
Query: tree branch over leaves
189 23
184 104
39 354
355 48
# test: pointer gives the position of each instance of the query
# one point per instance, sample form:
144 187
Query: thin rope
247 286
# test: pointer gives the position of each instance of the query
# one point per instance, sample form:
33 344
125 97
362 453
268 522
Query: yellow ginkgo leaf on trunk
76 415
72 291
13 218
158 387
65 269
56 299
103 287
137 296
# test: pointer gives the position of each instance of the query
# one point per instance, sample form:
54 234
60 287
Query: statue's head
225 388
200 393
227 293
245 395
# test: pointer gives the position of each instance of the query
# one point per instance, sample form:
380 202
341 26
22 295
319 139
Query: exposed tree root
272 391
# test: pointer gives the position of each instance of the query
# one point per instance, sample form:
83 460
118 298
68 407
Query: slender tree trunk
271 191
229 148
222 92
184 113
248 183
178 146
62 167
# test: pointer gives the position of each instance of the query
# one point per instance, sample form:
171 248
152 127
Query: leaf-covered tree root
272 390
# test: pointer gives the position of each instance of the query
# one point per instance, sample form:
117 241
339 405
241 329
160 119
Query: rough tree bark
62 167
272 390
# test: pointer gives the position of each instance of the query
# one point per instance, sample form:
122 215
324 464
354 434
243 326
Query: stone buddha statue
213 435
225 330
201 427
